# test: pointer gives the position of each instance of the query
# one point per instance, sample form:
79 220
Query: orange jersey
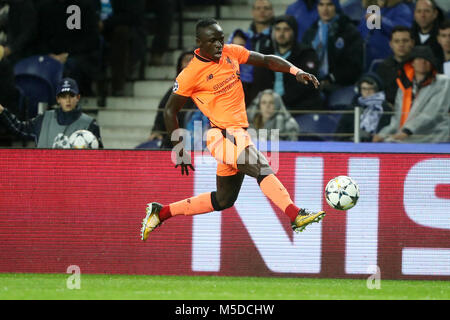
216 88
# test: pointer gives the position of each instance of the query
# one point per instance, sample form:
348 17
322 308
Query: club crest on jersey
175 86
209 77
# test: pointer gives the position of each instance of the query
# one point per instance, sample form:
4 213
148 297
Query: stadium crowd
391 58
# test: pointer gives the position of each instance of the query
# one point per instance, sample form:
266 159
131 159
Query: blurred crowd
389 58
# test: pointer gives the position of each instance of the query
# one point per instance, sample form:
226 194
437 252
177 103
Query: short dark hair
203 23
445 24
402 29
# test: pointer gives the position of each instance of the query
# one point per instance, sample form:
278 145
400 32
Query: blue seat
38 77
35 90
318 127
153 144
374 64
341 97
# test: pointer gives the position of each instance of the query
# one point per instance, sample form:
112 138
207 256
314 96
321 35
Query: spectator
17 45
260 28
305 12
164 16
444 41
295 96
240 37
269 112
19 35
401 44
427 17
53 128
259 34
422 104
159 128
393 13
354 9
338 44
374 109
122 24
78 49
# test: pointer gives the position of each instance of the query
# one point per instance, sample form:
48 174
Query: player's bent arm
271 62
278 64
173 106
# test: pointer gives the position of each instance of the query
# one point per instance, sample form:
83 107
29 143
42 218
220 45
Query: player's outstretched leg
151 220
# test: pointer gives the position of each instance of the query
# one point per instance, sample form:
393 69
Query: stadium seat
341 97
318 126
374 64
37 77
36 90
153 144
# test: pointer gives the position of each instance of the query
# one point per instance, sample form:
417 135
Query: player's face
326 10
68 101
421 65
424 14
401 43
444 39
211 41
267 106
283 34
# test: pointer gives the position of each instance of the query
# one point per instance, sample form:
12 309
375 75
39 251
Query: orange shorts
226 146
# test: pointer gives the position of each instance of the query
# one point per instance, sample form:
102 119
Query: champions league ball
61 142
342 193
83 139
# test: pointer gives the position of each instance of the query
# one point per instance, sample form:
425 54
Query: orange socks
191 206
275 191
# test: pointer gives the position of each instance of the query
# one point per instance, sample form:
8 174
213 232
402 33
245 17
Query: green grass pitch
126 287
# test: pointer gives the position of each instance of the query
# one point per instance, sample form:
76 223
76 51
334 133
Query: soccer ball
342 193
83 139
61 142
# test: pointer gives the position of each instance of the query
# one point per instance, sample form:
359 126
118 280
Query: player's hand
305 77
185 167
184 161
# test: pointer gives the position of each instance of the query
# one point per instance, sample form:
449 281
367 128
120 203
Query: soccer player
212 81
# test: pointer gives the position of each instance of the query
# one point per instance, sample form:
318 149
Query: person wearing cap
54 125
422 103
338 44
285 45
